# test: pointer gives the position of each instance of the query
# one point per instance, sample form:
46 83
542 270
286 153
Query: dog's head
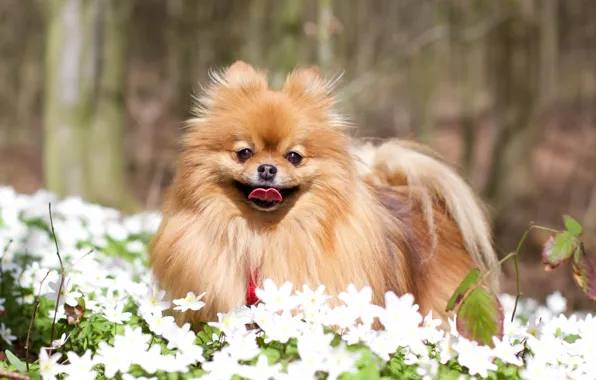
268 149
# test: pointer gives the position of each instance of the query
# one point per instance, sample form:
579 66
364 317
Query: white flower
133 340
276 299
357 333
221 366
60 313
400 312
507 352
180 337
115 314
116 231
428 369
260 315
158 323
341 361
298 371
80 368
314 346
283 327
262 370
6 334
233 322
26 299
191 302
2 301
429 328
556 303
538 370
341 316
548 349
135 246
359 302
243 347
48 365
60 342
383 345
153 302
311 300
478 359
151 360
191 354
446 350
114 359
67 295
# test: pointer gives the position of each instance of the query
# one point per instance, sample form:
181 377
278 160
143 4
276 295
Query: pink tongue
269 195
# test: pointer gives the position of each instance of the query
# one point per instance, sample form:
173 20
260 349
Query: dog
269 184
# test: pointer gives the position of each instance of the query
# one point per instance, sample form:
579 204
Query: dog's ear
308 87
306 82
240 75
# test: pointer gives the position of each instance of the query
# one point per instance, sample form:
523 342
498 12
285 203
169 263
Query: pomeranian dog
269 184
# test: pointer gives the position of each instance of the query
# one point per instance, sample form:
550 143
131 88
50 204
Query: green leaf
572 225
584 272
480 317
558 249
468 281
571 338
19 365
272 355
204 338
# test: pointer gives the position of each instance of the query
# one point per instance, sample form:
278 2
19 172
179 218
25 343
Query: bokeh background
93 93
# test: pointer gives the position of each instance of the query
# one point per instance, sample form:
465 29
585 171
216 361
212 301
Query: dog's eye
294 158
244 154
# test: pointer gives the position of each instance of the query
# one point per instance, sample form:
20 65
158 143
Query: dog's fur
393 216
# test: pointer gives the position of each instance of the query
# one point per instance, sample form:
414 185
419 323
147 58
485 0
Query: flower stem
515 256
61 278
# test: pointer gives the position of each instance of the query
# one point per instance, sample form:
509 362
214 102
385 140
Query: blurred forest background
93 93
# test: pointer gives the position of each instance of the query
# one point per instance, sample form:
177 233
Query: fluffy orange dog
269 185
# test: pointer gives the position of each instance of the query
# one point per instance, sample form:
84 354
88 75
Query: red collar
251 297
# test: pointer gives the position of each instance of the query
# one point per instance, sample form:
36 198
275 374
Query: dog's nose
267 172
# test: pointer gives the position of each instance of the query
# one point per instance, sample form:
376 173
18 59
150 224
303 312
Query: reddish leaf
558 249
468 281
480 317
584 272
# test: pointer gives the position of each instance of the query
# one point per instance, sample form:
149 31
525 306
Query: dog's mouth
265 197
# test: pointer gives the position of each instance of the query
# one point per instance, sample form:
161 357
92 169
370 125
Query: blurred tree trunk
549 51
285 51
423 78
180 32
325 47
470 51
514 62
253 48
84 103
69 72
106 163
13 55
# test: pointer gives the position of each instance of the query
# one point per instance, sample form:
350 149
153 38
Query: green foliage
468 281
19 365
572 225
481 316
558 249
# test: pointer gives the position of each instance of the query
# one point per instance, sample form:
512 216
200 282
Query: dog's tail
405 163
